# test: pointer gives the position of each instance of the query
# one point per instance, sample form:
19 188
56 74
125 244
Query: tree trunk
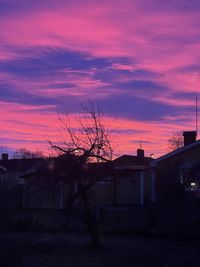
91 222
68 206
114 191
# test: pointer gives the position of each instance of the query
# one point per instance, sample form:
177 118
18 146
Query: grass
71 250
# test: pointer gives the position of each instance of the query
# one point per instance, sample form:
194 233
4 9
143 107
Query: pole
197 115
141 188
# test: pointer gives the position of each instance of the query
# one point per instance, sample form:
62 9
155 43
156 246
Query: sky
138 59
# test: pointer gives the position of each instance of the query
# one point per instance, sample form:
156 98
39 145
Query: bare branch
90 141
176 140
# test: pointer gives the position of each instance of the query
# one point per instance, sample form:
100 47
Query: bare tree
89 143
23 153
175 141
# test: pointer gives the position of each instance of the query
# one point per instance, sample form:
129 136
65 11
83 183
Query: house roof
131 162
133 168
66 166
175 152
3 168
20 165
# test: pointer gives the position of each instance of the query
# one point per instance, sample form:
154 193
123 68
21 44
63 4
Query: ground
70 250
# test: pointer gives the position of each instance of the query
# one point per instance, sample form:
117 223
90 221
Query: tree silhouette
89 143
175 141
23 153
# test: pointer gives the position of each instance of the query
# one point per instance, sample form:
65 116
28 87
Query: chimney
140 153
4 156
189 137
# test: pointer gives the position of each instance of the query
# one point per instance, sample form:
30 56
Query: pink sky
138 59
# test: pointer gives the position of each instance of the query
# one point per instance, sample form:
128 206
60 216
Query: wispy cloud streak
138 59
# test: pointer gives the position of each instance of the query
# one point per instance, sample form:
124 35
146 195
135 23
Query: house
133 180
52 183
11 185
129 182
2 171
48 183
125 181
178 172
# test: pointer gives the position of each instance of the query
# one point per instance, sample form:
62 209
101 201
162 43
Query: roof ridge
175 152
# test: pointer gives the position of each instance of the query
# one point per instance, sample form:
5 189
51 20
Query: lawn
71 250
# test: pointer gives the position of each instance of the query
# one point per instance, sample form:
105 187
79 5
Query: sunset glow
139 60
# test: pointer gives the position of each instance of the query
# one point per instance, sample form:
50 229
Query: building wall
191 155
147 187
128 190
11 193
101 194
168 174
168 170
44 195
125 190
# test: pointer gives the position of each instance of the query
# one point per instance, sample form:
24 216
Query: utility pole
197 115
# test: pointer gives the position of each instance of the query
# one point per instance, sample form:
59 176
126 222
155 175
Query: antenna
196 115
140 143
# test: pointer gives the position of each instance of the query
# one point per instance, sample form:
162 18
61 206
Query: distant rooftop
19 164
